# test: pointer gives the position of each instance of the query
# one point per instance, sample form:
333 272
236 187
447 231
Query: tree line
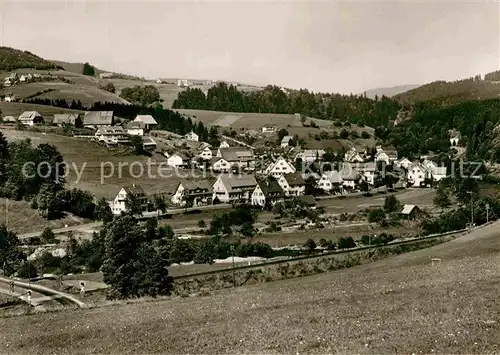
273 99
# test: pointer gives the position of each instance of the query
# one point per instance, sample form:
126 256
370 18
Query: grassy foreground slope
401 304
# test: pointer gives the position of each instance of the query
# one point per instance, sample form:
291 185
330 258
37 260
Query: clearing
401 304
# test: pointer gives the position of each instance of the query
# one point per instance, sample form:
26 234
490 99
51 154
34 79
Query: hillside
446 93
397 305
11 59
78 68
389 91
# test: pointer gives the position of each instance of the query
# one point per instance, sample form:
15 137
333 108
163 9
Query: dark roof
69 118
192 185
294 179
236 154
135 190
135 125
92 118
271 187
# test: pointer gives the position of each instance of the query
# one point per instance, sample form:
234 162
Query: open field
83 153
16 108
21 218
401 304
246 121
168 92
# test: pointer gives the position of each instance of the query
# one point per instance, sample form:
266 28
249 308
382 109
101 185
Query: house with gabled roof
148 121
417 174
135 128
331 180
30 118
279 167
72 119
267 193
191 136
220 164
238 157
411 211
352 156
233 188
118 204
94 119
403 163
111 135
177 160
366 170
269 128
350 177
310 155
194 193
293 184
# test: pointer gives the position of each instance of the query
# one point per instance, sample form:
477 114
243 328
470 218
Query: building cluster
15 78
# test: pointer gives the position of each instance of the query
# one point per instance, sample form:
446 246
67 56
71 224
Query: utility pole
471 209
487 212
234 276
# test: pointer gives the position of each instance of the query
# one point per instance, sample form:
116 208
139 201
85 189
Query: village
237 173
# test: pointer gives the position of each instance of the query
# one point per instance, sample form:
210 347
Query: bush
27 270
376 215
201 223
346 243
310 245
47 236
365 135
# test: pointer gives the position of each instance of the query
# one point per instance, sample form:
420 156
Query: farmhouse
233 189
224 144
192 193
135 128
417 173
30 118
269 128
293 184
331 180
382 156
285 142
176 160
352 156
191 136
454 139
238 157
72 119
111 135
208 153
267 193
148 121
10 98
98 119
280 167
310 155
118 204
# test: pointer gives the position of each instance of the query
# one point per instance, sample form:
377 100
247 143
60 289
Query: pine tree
88 69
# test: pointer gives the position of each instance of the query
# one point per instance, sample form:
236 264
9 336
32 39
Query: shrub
47 236
346 243
310 245
376 215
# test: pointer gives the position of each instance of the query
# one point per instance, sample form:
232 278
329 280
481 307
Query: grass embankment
288 270
396 305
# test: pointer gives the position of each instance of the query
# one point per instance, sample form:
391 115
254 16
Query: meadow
398 305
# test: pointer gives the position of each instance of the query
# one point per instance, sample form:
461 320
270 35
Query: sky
328 46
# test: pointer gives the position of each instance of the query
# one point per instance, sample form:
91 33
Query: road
40 294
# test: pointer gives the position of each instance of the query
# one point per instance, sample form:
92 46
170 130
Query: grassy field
397 305
16 108
168 92
81 153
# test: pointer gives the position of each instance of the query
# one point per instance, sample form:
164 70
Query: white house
111 135
293 184
207 153
191 136
279 167
23 79
267 193
366 170
224 144
9 119
30 118
220 164
403 163
382 156
331 180
10 98
454 139
148 121
285 142
269 128
417 173
238 157
350 177
310 155
175 160
352 156
436 172
135 128
196 193
118 204
233 189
